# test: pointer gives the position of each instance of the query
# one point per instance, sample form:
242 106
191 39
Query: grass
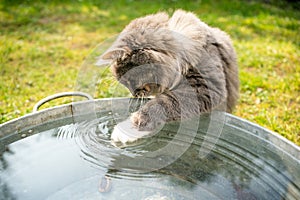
43 45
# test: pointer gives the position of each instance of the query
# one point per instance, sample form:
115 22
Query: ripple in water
93 138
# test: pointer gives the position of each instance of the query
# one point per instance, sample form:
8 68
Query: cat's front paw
149 118
124 133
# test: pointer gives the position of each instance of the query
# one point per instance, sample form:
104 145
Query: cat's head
144 61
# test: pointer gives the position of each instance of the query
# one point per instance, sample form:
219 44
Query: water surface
78 161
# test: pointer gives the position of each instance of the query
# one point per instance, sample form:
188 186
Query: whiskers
142 100
137 102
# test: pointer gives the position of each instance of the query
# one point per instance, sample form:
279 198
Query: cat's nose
140 92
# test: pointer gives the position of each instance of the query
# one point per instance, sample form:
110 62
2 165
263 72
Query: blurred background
44 43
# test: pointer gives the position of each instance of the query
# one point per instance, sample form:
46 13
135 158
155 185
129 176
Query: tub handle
59 95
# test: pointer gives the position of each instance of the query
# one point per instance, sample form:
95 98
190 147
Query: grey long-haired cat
190 67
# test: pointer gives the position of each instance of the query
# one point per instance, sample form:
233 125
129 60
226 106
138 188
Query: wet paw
124 133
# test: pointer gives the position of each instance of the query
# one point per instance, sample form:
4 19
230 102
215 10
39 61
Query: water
78 161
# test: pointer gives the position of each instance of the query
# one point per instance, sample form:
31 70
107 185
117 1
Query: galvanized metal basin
64 153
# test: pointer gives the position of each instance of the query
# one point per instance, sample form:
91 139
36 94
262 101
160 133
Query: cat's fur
190 67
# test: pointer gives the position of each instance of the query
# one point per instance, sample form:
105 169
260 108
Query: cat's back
216 42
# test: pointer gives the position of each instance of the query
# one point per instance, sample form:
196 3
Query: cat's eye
147 88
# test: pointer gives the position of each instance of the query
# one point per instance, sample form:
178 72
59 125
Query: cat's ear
113 54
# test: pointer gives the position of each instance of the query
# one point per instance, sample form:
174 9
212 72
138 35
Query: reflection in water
77 161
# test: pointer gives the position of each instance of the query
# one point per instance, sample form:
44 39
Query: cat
189 67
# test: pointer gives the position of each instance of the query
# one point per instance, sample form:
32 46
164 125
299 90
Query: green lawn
43 45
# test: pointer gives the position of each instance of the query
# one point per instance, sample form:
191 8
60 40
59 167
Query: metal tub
227 158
